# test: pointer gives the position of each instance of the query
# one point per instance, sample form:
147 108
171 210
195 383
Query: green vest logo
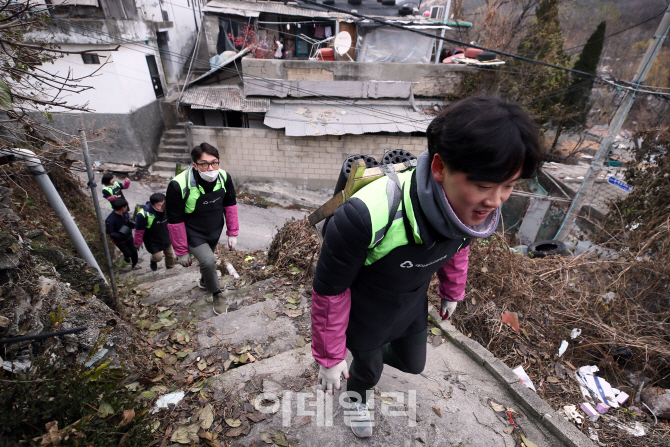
407 265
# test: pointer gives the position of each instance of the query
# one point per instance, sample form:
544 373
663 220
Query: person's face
158 206
123 210
472 201
206 158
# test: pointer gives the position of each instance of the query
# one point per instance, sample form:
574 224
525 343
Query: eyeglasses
214 164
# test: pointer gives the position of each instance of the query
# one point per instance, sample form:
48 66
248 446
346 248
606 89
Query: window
90 58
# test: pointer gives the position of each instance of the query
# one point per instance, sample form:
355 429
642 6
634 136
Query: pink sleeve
232 224
453 275
178 238
126 183
139 238
111 198
330 318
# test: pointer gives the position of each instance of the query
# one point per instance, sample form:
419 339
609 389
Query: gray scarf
438 211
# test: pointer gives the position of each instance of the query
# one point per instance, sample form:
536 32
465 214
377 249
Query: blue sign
619 183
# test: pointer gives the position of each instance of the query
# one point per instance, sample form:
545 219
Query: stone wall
312 162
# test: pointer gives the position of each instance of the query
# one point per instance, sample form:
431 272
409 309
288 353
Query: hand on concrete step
447 308
184 260
232 242
329 378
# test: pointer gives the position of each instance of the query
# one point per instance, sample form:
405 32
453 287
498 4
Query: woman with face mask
199 202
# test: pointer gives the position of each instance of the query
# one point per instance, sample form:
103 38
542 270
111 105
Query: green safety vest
110 190
191 191
388 232
149 216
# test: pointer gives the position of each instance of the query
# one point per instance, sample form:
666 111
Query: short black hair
119 203
486 138
107 178
204 148
157 197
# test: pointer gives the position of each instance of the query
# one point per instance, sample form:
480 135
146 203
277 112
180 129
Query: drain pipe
44 182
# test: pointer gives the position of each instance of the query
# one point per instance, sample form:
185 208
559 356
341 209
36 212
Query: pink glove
178 238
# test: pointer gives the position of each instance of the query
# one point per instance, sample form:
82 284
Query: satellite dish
343 43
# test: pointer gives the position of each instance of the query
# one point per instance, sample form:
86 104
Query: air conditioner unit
437 13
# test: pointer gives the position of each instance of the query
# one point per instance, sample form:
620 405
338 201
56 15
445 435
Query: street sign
619 183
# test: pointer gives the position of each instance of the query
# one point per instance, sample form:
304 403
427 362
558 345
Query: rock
8 243
91 313
9 261
83 277
26 315
37 235
658 400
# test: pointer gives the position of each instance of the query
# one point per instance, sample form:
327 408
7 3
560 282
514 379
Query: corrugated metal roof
301 118
253 9
223 98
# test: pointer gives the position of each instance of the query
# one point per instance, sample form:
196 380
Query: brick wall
313 162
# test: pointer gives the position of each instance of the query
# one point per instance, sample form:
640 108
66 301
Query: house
280 104
155 40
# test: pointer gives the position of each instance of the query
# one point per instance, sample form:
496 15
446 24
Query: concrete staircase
254 366
173 150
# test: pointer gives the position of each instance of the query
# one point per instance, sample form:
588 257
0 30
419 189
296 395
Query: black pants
129 251
408 354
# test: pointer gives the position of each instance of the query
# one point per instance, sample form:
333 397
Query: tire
397 156
486 56
542 249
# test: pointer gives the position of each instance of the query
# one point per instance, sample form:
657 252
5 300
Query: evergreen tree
576 99
542 89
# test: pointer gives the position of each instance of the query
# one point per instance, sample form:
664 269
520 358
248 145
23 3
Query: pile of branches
296 245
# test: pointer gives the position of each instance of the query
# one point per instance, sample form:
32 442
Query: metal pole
55 200
444 20
615 125
98 213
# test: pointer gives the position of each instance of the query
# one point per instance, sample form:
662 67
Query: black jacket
205 223
157 237
389 297
114 223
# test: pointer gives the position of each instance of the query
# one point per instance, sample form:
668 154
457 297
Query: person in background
200 201
152 230
111 189
119 227
370 288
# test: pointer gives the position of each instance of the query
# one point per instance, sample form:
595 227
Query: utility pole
615 125
98 213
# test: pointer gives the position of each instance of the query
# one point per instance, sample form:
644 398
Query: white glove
184 260
232 242
329 378
447 308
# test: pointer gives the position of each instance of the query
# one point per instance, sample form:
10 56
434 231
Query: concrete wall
181 29
431 80
312 162
123 85
118 138
96 32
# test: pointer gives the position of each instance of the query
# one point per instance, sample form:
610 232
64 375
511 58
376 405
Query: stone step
177 132
262 326
174 158
163 166
177 141
175 148
448 400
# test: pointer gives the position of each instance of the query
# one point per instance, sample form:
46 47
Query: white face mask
209 176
